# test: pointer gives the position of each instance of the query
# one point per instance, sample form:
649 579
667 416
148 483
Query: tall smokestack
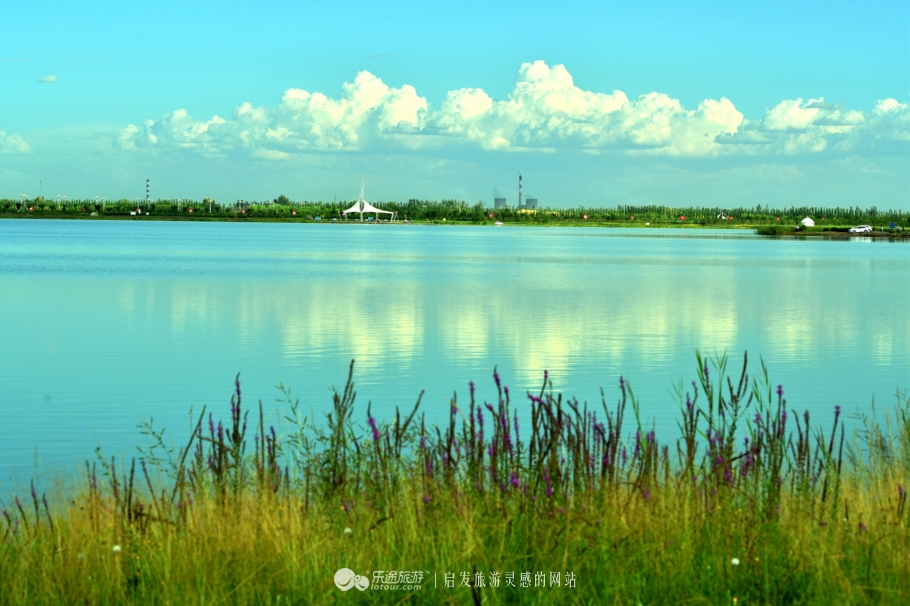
519 190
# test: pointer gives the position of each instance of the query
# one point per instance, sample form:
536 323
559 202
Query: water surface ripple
107 323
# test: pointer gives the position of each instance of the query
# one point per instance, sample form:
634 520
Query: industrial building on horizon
501 203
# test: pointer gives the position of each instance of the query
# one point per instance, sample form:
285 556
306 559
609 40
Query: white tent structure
807 222
362 206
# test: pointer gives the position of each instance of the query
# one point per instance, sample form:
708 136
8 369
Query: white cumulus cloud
48 79
795 126
545 111
890 120
13 144
367 112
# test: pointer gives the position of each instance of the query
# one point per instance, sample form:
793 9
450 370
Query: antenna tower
146 192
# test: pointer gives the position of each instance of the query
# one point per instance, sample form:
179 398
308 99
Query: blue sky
706 103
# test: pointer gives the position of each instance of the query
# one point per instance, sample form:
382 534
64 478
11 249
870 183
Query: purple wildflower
900 491
747 466
372 423
496 378
780 390
622 383
426 498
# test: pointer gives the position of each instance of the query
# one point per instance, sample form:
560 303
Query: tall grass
752 503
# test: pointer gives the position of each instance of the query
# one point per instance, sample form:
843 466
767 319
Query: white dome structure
807 222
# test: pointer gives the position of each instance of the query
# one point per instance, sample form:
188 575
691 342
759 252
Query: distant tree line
283 207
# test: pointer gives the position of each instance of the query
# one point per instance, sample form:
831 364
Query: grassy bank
753 503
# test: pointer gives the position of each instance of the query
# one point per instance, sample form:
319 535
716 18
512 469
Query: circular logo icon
346 578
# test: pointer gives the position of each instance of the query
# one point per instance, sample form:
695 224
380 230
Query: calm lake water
108 323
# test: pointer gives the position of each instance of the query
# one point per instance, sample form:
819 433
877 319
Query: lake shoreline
810 233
